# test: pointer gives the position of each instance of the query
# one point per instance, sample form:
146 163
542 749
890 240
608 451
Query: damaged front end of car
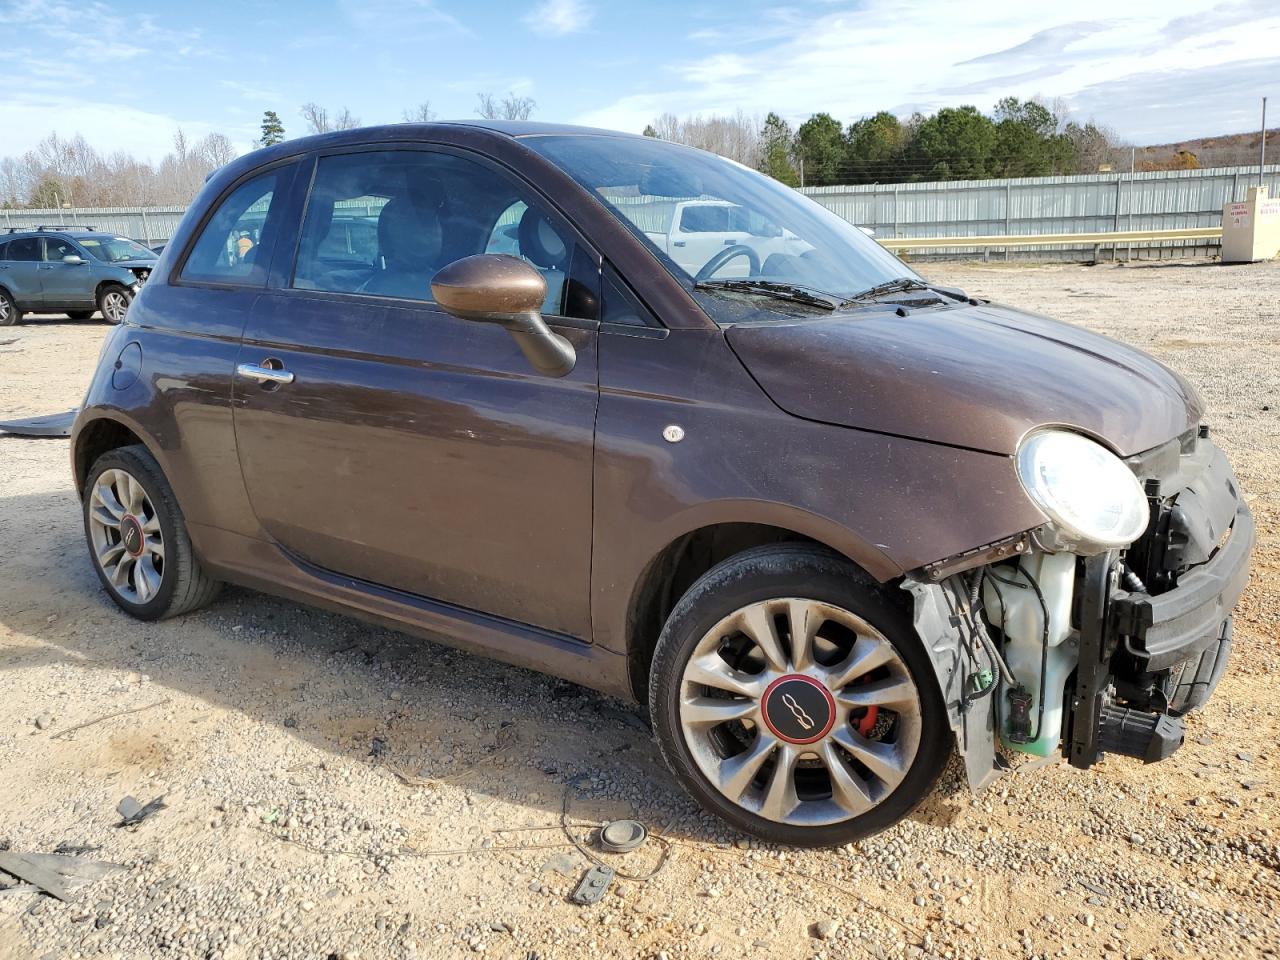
1099 631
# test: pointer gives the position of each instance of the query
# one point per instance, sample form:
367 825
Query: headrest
540 242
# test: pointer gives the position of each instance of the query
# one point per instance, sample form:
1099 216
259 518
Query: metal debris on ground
110 716
622 836
133 812
49 425
54 874
591 888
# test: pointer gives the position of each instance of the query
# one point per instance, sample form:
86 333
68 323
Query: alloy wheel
4 310
114 306
128 543
800 712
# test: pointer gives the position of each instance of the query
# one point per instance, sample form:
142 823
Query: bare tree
346 120
510 107
736 136
422 113
316 116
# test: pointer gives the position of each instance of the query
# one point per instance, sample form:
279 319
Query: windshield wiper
778 290
898 285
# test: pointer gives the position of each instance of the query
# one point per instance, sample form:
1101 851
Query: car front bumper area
1155 624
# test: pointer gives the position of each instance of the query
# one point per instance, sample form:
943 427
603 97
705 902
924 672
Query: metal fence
1161 200
151 225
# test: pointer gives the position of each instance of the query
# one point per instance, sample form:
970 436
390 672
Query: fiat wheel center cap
131 535
798 709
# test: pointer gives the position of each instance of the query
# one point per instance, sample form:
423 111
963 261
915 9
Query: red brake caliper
868 721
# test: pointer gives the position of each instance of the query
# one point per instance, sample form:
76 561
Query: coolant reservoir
1015 608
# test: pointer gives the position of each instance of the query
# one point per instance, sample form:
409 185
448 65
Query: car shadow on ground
360 693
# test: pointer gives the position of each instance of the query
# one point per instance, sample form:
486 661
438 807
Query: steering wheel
724 256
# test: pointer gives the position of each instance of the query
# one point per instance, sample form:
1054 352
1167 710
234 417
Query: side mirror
498 288
74 259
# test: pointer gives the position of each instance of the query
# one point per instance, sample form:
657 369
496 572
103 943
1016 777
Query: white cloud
852 60
559 17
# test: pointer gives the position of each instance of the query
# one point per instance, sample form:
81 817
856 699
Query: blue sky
127 74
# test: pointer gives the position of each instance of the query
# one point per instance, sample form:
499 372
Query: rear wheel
79 314
9 312
794 700
113 301
138 539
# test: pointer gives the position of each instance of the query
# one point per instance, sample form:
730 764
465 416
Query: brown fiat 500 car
635 415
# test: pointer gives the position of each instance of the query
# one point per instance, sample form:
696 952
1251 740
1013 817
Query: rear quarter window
234 246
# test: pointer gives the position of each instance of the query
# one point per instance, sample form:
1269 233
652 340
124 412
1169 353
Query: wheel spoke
104 495
847 789
886 692
103 515
710 712
881 759
737 772
133 494
121 571
803 621
758 624
711 671
154 546
151 525
147 579
109 554
780 792
867 654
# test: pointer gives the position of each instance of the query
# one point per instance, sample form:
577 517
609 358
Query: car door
65 284
22 273
410 449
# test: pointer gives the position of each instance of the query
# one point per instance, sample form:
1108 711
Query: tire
113 302
116 516
10 315
80 314
805 715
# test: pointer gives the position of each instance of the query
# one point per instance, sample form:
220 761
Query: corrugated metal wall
149 225
1162 200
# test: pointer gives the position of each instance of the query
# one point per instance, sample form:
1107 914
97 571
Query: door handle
677 243
264 374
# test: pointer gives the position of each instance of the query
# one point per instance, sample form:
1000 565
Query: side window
234 246
24 249
620 305
55 248
383 222
705 219
4 251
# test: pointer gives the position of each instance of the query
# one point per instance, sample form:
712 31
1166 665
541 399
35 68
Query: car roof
78 233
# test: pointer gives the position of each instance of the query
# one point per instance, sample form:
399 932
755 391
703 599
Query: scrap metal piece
622 836
48 425
591 888
22 867
133 812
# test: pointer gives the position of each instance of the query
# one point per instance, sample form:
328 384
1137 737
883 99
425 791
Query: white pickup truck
700 229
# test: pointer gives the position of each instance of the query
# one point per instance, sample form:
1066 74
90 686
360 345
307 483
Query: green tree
956 143
649 131
1027 140
272 128
776 144
875 149
820 146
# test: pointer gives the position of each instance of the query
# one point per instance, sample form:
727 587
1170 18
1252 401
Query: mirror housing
74 259
502 289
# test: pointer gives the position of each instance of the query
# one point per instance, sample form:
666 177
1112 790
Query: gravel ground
336 790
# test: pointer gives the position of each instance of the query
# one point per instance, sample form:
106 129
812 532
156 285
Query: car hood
972 376
136 264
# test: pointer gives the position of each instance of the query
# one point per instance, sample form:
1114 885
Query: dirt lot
335 790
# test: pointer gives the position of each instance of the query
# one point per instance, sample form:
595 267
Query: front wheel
138 539
10 315
794 700
114 302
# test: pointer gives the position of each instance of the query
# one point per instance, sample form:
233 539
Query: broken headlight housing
1093 500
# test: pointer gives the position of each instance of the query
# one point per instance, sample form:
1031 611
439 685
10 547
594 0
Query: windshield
116 249
714 223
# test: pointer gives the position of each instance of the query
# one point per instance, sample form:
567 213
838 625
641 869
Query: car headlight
1093 499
